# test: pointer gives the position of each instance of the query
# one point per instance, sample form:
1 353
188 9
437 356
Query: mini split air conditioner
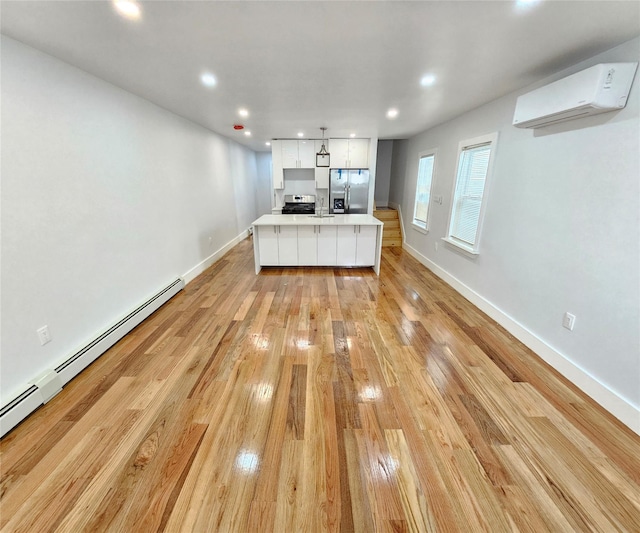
601 88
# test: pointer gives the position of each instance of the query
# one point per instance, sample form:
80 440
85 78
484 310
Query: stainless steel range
299 204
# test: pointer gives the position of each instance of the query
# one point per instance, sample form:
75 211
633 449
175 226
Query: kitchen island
312 240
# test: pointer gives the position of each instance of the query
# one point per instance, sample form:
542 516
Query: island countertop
314 220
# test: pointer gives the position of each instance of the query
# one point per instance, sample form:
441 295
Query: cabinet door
327 245
322 177
306 154
339 153
346 246
307 246
277 175
359 153
268 245
288 245
290 154
367 237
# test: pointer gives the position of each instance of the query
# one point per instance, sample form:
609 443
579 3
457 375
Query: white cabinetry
268 245
344 240
298 154
307 154
356 245
349 153
327 245
288 245
366 245
278 245
289 153
359 153
322 177
277 173
308 245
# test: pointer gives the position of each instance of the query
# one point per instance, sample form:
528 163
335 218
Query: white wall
264 192
561 233
105 199
383 173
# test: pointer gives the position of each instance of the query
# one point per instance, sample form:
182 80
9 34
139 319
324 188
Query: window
466 214
423 189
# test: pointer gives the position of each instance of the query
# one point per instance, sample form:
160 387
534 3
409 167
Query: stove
299 204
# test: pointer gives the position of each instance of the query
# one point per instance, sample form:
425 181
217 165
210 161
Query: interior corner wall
264 192
383 173
106 198
561 232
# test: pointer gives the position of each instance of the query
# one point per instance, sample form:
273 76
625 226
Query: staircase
391 236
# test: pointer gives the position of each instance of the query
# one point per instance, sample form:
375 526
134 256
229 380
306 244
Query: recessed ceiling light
300 134
247 133
208 79
392 113
352 135
526 4
427 80
268 143
243 112
128 9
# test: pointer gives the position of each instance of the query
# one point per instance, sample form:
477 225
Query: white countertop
311 220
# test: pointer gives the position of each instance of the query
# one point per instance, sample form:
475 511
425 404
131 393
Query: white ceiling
300 65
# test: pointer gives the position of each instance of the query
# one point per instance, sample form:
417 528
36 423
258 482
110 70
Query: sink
321 216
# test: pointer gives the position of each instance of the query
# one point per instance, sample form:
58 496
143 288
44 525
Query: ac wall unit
598 89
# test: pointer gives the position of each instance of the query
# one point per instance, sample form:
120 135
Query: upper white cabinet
298 153
349 153
277 174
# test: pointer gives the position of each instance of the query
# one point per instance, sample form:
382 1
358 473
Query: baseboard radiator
47 385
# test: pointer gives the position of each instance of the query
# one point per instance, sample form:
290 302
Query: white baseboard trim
32 400
31 397
624 411
190 275
395 206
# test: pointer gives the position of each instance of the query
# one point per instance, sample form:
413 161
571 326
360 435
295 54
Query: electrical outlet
568 321
44 335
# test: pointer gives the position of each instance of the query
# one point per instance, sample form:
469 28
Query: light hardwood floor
308 400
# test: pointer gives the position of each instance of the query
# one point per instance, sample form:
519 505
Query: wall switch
435 244
44 335
568 321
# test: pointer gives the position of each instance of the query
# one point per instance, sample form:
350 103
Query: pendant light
322 157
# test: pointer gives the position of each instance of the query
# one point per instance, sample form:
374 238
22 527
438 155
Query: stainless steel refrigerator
349 190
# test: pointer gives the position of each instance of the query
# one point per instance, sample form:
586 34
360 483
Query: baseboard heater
47 385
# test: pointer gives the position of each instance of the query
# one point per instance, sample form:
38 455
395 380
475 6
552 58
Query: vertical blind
472 173
423 191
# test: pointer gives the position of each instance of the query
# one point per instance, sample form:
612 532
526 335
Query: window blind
472 173
423 190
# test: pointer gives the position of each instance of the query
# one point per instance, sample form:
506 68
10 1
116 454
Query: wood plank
319 399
